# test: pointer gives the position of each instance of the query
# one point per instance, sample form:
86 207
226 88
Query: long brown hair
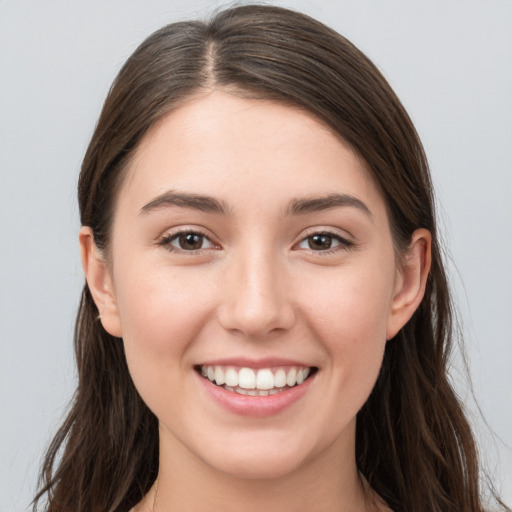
414 444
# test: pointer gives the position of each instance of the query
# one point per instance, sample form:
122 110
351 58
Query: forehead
244 150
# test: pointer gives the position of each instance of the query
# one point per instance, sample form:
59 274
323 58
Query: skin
255 289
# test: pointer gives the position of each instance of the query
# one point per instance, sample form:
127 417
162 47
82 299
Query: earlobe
99 282
411 281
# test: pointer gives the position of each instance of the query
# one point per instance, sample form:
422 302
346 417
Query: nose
255 298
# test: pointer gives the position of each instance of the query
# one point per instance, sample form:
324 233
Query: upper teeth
263 379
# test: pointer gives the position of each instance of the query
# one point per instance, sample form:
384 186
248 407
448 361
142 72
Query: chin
259 467
261 459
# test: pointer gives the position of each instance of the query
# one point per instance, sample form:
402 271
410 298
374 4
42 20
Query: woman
266 321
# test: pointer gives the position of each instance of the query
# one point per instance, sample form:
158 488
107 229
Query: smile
260 382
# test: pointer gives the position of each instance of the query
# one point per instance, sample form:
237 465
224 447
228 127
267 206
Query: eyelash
343 243
166 241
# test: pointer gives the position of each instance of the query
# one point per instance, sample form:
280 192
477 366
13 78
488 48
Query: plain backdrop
449 61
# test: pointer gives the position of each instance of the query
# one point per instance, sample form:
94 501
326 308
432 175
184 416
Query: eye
188 241
324 242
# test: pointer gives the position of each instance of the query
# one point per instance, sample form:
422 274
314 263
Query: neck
328 483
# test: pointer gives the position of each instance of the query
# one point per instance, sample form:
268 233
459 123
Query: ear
99 281
410 282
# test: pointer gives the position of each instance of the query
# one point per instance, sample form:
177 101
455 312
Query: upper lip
244 362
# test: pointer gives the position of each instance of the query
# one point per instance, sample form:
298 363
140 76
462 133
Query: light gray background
449 61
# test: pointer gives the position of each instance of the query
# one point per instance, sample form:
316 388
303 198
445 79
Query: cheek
349 317
158 305
161 314
352 307
355 338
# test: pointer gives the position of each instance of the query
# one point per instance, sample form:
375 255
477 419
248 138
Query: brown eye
190 241
320 242
187 241
324 243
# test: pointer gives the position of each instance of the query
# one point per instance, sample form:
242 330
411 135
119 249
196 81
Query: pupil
191 241
320 242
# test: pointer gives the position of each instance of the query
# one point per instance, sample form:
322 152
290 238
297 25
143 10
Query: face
253 281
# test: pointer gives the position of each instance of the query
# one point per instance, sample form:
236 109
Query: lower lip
256 406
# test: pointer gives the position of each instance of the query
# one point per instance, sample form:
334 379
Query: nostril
255 304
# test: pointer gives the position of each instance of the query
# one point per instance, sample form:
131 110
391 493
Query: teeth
302 374
219 376
246 378
262 382
265 379
280 378
291 378
231 377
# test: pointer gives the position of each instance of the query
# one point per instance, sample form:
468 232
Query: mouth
256 382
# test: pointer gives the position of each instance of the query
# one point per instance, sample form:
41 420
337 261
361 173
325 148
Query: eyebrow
209 204
317 204
185 200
